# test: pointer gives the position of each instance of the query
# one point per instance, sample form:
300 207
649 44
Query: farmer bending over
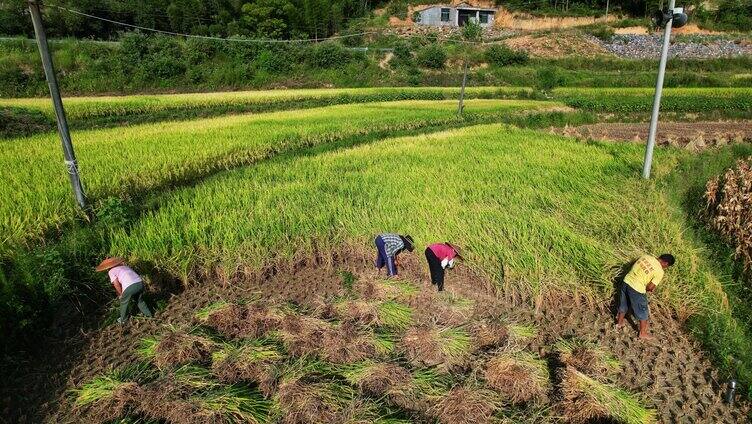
388 246
440 256
643 278
128 285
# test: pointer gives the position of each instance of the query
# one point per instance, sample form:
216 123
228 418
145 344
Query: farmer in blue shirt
388 246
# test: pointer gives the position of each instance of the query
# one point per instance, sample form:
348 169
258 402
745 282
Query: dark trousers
630 298
133 292
383 259
437 271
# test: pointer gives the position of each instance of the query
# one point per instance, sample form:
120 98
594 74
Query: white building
453 16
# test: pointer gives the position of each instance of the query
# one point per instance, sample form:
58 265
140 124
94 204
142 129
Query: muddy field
671 375
689 135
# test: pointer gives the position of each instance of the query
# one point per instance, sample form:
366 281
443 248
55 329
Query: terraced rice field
261 226
143 158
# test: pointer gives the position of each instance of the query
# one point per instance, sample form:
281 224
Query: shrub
328 55
601 31
432 56
501 55
548 78
402 53
272 62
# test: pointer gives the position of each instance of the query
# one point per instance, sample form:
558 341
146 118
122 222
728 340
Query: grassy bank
139 64
553 213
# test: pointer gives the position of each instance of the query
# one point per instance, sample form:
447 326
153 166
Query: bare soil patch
673 374
694 136
563 44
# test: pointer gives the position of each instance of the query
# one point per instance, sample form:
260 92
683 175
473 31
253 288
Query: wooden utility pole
57 104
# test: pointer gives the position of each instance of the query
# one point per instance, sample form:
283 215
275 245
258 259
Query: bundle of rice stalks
489 334
520 335
587 400
442 308
394 315
203 314
466 405
728 199
312 402
111 396
223 404
587 357
519 377
422 391
249 362
358 312
431 345
167 397
377 379
176 348
344 343
252 321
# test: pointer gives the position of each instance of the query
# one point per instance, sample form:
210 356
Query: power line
206 37
435 37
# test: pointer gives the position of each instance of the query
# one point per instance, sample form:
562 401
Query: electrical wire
206 37
435 37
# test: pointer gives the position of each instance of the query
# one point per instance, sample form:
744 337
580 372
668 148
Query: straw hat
456 248
109 263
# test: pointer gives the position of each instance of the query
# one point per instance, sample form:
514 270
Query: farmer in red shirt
441 256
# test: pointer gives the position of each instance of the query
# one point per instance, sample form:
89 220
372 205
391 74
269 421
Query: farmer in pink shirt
128 286
441 256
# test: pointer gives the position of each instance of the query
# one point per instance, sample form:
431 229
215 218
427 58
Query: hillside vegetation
144 64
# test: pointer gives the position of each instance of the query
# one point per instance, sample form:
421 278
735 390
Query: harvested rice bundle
489 334
378 379
203 314
344 343
312 402
466 405
519 377
394 315
588 400
177 347
252 321
431 346
520 334
358 312
110 396
587 357
249 362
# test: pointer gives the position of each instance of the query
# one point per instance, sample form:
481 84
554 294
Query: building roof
463 6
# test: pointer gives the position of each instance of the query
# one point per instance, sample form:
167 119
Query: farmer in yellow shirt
643 278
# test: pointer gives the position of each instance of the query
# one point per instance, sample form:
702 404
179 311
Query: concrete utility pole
658 92
462 91
57 103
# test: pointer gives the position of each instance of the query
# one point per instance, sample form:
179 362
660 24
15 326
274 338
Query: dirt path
690 135
672 374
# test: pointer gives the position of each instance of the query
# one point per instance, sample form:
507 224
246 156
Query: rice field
536 210
133 160
83 108
538 214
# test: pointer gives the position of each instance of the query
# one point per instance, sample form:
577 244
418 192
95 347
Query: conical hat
109 263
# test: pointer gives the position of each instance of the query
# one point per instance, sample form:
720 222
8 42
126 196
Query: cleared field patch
133 160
